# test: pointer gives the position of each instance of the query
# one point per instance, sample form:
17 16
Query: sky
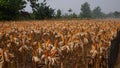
106 5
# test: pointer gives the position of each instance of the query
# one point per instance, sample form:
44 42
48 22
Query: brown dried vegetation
56 44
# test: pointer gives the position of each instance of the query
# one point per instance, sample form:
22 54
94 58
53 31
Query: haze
106 5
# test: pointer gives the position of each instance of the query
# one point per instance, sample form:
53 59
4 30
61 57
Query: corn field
56 44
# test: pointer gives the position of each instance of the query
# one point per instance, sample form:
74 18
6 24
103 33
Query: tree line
14 10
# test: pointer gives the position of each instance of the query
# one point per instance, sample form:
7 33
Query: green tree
116 14
74 15
58 15
85 11
10 9
41 10
96 13
65 15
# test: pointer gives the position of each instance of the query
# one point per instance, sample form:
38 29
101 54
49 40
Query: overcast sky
106 5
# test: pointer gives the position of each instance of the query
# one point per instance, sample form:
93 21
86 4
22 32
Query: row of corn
56 44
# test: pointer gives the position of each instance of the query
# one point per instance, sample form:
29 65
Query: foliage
69 16
14 10
116 14
74 15
9 9
41 10
85 10
58 15
96 13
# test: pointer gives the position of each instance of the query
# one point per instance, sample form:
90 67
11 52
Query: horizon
75 5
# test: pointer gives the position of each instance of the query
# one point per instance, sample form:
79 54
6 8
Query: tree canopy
41 10
58 15
14 10
85 10
96 13
9 9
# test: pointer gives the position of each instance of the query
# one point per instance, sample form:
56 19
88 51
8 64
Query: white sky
106 5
